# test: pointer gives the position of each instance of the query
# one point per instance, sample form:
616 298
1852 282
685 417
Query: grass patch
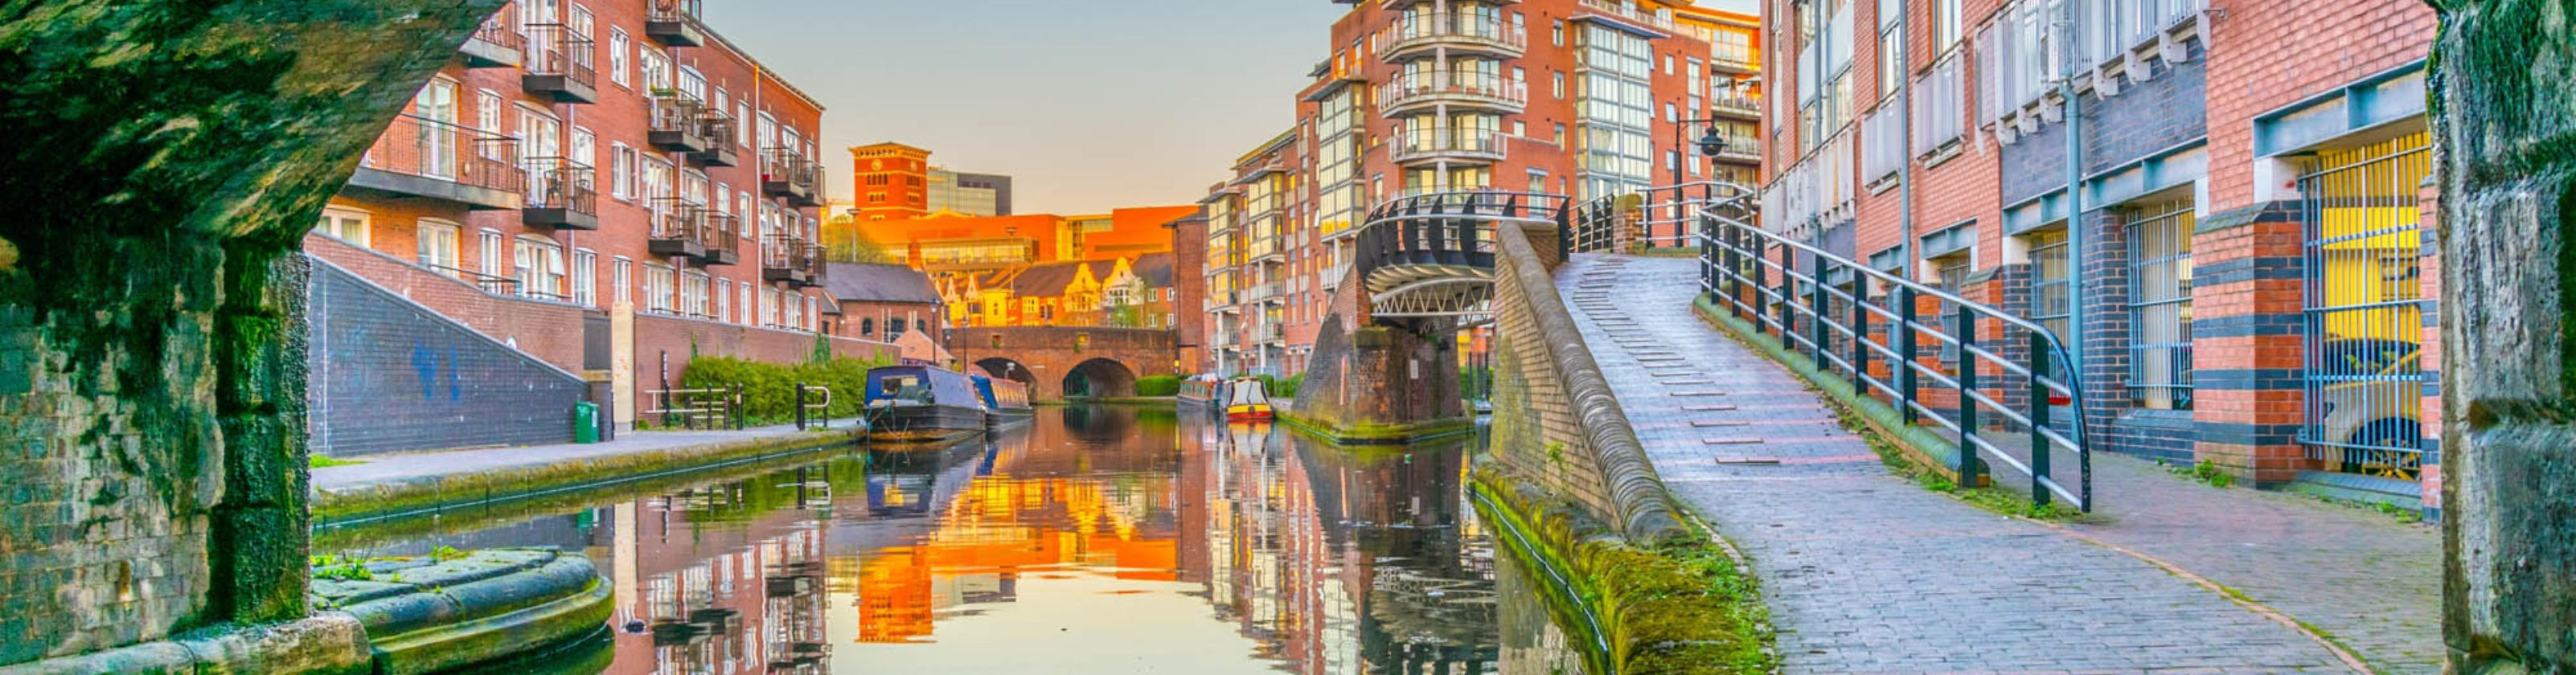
341 568
1990 498
321 462
2205 473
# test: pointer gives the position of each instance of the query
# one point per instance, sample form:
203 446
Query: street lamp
1710 143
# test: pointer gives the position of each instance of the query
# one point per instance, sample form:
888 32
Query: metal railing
678 219
715 408
560 183
1439 27
447 151
501 29
1661 217
488 283
813 403
786 172
556 49
790 253
1818 304
1484 144
679 112
1750 106
1403 90
1631 10
1447 228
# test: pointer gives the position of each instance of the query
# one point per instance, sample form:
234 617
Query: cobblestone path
1864 571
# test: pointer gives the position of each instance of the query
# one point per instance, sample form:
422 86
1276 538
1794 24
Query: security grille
2160 307
2365 309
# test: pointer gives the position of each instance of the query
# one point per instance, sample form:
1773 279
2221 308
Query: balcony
497 43
561 193
1740 150
725 246
418 157
679 123
674 23
723 138
559 66
791 259
1460 34
1409 92
1737 107
682 229
1334 275
1453 145
1628 15
784 172
1733 59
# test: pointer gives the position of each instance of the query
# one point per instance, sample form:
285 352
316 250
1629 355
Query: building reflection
1342 560
726 578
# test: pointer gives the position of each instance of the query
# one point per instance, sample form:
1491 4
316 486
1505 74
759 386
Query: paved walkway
396 467
1867 573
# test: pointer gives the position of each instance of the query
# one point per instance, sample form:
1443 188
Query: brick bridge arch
1106 360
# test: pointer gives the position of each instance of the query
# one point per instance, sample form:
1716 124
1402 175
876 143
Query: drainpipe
1905 170
2075 234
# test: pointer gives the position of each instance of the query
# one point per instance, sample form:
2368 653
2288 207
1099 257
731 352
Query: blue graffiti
424 361
455 380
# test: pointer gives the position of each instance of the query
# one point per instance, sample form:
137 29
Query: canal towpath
396 484
1866 572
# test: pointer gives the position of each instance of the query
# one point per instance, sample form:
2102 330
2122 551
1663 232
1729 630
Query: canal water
1096 540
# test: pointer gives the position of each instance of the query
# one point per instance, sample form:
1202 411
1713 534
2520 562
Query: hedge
1158 385
769 389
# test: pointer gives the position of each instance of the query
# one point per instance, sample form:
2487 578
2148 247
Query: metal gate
2365 309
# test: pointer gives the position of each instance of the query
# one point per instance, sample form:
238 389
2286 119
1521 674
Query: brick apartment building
2255 256
606 186
1575 97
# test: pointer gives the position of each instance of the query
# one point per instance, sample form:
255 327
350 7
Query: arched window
867 327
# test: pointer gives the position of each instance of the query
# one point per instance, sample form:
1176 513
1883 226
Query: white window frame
619 46
488 244
335 218
623 275
428 230
585 277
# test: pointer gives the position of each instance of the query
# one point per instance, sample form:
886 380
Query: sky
1087 104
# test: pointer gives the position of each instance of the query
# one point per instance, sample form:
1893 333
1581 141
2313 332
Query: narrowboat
1005 402
1202 390
922 404
1247 399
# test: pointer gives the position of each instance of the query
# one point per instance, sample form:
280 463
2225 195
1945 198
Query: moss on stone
1681 606
422 496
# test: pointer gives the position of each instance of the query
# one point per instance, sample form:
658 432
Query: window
621 171
1559 84
1560 33
623 277
693 293
585 148
344 225
659 284
1939 102
1953 270
1891 65
2160 307
2049 283
488 248
585 278
742 312
436 246
537 263
867 327
1945 25
617 51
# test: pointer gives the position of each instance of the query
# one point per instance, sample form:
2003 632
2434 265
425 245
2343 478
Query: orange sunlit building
893 181
973 258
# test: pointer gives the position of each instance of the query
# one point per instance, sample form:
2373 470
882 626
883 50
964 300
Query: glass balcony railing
1484 145
1472 90
1469 31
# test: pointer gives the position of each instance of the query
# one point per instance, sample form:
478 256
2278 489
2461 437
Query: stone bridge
1061 362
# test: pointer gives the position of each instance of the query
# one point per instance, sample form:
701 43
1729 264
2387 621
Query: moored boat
1247 399
1005 402
1200 390
922 404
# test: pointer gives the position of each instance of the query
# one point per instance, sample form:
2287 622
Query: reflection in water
1114 540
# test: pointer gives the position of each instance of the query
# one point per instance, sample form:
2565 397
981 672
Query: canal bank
1222 548
409 484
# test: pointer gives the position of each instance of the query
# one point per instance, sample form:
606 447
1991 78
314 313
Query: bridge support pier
2508 476
1382 383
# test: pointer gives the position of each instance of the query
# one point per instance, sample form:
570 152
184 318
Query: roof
1156 268
863 282
1047 280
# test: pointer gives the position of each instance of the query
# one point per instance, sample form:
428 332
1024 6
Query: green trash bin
585 422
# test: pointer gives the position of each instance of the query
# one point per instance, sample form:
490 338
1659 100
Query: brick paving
1867 573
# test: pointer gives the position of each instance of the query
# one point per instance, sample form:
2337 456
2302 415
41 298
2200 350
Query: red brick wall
934 315
550 331
663 345
2271 53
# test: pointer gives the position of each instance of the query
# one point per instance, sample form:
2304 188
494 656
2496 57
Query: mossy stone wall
165 156
2504 100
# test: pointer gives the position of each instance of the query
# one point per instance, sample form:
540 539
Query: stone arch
1100 378
1008 369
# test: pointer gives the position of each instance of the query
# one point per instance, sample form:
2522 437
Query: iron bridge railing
1821 305
1447 228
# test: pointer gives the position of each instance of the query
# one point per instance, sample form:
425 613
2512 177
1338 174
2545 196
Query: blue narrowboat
1005 402
922 404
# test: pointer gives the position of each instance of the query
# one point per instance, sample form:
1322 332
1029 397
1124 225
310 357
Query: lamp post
1710 143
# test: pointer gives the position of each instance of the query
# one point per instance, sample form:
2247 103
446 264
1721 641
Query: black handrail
1755 277
1448 228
